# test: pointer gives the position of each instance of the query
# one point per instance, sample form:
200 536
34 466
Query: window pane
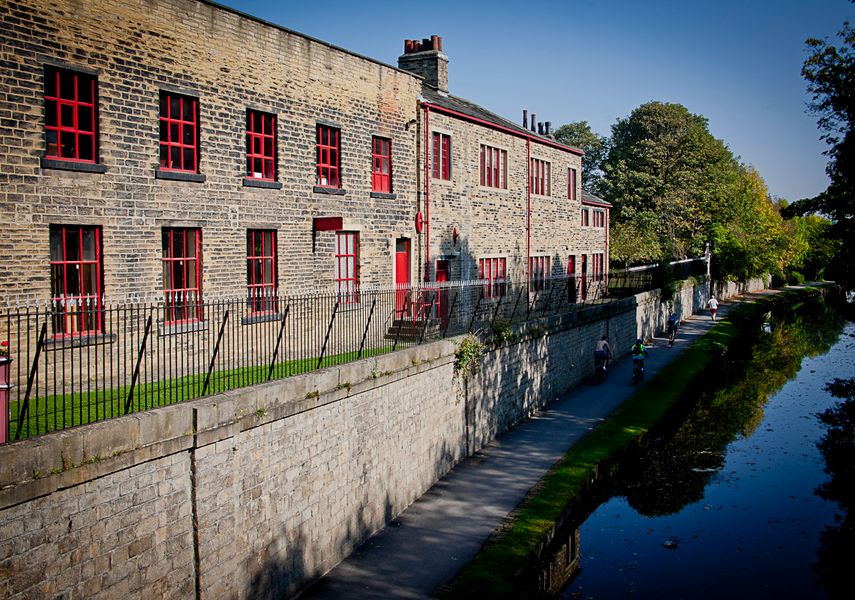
189 162
55 244
50 82
189 110
89 244
84 89
67 148
268 271
174 157
67 115
90 280
87 147
66 85
72 279
189 137
57 280
50 113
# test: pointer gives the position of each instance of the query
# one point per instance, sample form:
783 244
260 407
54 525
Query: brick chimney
425 58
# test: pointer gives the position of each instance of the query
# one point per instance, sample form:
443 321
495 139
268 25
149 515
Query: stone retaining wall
257 492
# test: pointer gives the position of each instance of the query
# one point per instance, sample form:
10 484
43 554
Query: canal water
726 503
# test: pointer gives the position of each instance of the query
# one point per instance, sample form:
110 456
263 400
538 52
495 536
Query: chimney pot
548 127
540 128
525 119
533 120
432 66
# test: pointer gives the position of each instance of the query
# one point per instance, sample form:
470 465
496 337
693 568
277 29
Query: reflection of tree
673 473
838 449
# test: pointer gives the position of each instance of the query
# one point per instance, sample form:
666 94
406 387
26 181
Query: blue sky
735 62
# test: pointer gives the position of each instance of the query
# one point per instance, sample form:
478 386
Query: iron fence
134 358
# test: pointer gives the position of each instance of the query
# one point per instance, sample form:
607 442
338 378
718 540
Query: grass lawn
56 412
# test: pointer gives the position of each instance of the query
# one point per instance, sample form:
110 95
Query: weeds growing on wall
467 357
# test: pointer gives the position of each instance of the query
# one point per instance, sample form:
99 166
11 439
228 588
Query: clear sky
736 62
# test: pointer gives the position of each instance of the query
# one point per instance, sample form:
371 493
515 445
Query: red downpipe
528 211
427 191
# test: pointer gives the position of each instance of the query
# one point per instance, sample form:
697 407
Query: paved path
440 532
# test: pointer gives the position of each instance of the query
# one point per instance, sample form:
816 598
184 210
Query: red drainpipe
606 257
427 192
528 211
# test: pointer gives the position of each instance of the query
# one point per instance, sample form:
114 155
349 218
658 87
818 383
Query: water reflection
696 448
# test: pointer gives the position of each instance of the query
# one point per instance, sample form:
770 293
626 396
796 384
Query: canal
732 499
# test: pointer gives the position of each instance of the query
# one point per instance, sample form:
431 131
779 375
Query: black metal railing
137 359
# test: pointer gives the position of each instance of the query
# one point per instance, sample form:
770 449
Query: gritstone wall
257 492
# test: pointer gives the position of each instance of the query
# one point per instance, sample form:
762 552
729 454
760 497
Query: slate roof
589 198
470 109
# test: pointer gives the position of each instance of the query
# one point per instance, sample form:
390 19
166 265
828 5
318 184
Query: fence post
278 341
430 311
22 413
216 351
137 368
365 332
327 339
450 313
5 387
401 323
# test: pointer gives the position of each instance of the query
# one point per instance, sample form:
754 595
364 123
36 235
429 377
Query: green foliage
502 332
665 280
635 242
467 357
795 278
579 135
830 74
666 171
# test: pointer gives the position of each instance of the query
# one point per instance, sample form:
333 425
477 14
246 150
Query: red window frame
494 270
494 167
599 264
571 183
261 271
540 171
441 156
381 165
179 132
71 115
260 145
329 156
76 268
538 269
182 274
347 267
599 218
586 217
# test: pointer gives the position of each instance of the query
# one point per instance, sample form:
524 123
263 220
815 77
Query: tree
830 74
579 135
664 167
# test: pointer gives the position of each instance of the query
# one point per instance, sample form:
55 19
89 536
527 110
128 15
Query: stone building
180 149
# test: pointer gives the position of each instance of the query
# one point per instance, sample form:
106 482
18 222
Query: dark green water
725 504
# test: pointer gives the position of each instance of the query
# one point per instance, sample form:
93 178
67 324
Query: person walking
713 304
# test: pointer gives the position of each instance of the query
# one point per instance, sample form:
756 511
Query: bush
795 278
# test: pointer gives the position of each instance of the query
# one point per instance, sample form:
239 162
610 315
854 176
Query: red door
571 281
402 275
442 294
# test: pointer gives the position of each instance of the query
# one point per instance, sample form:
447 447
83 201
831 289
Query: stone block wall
493 222
231 63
